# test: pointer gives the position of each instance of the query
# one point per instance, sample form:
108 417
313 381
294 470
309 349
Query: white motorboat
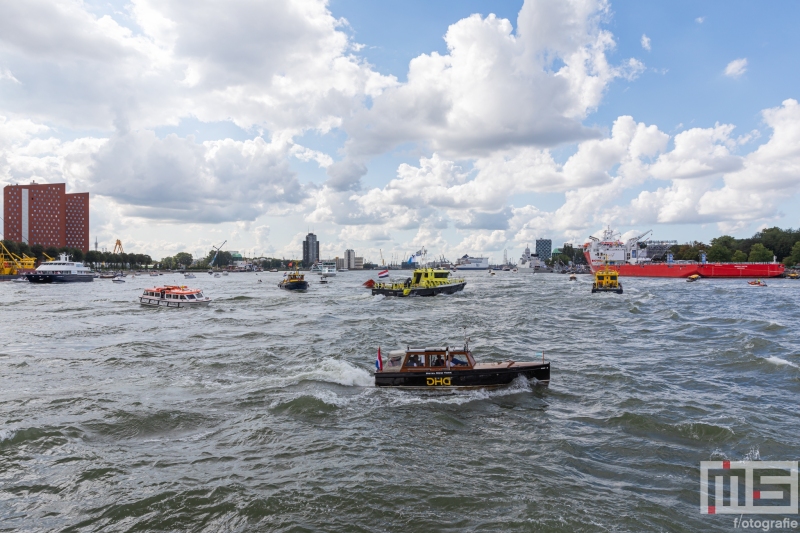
21 280
216 275
61 270
118 280
189 275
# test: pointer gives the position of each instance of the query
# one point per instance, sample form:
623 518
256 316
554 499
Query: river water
258 413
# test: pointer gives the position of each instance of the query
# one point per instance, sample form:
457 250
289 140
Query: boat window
190 296
183 297
417 277
458 359
437 360
415 360
441 274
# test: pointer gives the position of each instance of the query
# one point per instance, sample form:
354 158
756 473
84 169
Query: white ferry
61 270
174 296
473 263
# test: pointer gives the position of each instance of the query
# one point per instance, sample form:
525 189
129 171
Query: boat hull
158 302
489 376
684 270
421 291
58 278
294 286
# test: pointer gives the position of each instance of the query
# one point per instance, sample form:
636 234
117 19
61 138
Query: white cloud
495 89
646 42
736 68
700 20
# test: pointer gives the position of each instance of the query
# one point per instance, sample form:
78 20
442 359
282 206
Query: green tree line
784 244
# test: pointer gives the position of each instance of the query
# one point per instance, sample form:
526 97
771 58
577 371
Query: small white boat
189 276
225 273
118 280
21 280
327 272
216 275
153 274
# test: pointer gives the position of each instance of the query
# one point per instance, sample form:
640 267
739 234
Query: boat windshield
190 296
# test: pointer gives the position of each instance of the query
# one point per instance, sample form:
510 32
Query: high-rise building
350 259
544 248
358 263
44 214
310 250
76 221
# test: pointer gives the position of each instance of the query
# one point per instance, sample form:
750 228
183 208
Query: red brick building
45 214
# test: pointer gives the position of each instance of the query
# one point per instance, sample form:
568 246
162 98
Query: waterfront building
310 250
350 259
340 263
544 249
358 263
43 213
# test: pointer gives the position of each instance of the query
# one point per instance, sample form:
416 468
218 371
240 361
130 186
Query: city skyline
488 127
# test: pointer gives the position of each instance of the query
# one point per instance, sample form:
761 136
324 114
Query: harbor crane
216 253
118 247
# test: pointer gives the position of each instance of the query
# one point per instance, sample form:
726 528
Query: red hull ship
630 259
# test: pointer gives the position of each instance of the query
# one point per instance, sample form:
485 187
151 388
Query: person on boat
456 362
439 361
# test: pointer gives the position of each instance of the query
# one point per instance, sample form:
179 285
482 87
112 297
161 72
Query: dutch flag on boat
379 361
383 273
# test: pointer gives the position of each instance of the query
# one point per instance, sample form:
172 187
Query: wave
780 362
332 371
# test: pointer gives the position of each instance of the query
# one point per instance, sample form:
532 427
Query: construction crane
216 253
11 264
118 247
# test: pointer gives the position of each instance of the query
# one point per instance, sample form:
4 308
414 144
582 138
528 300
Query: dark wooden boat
449 367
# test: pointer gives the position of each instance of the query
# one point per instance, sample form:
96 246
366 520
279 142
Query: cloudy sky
464 126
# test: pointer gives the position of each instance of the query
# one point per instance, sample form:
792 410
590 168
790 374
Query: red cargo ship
630 259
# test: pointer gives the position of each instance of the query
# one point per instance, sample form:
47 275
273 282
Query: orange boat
174 296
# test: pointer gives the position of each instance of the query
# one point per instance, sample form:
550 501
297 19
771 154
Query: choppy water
258 413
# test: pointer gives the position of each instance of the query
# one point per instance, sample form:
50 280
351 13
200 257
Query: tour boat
449 367
294 281
635 257
425 282
61 270
174 296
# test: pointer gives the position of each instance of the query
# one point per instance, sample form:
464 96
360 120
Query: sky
465 127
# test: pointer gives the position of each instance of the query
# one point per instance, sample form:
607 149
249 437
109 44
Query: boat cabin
428 359
174 296
607 279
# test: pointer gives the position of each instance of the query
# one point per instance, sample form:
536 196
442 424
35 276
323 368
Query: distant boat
294 281
118 280
189 275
